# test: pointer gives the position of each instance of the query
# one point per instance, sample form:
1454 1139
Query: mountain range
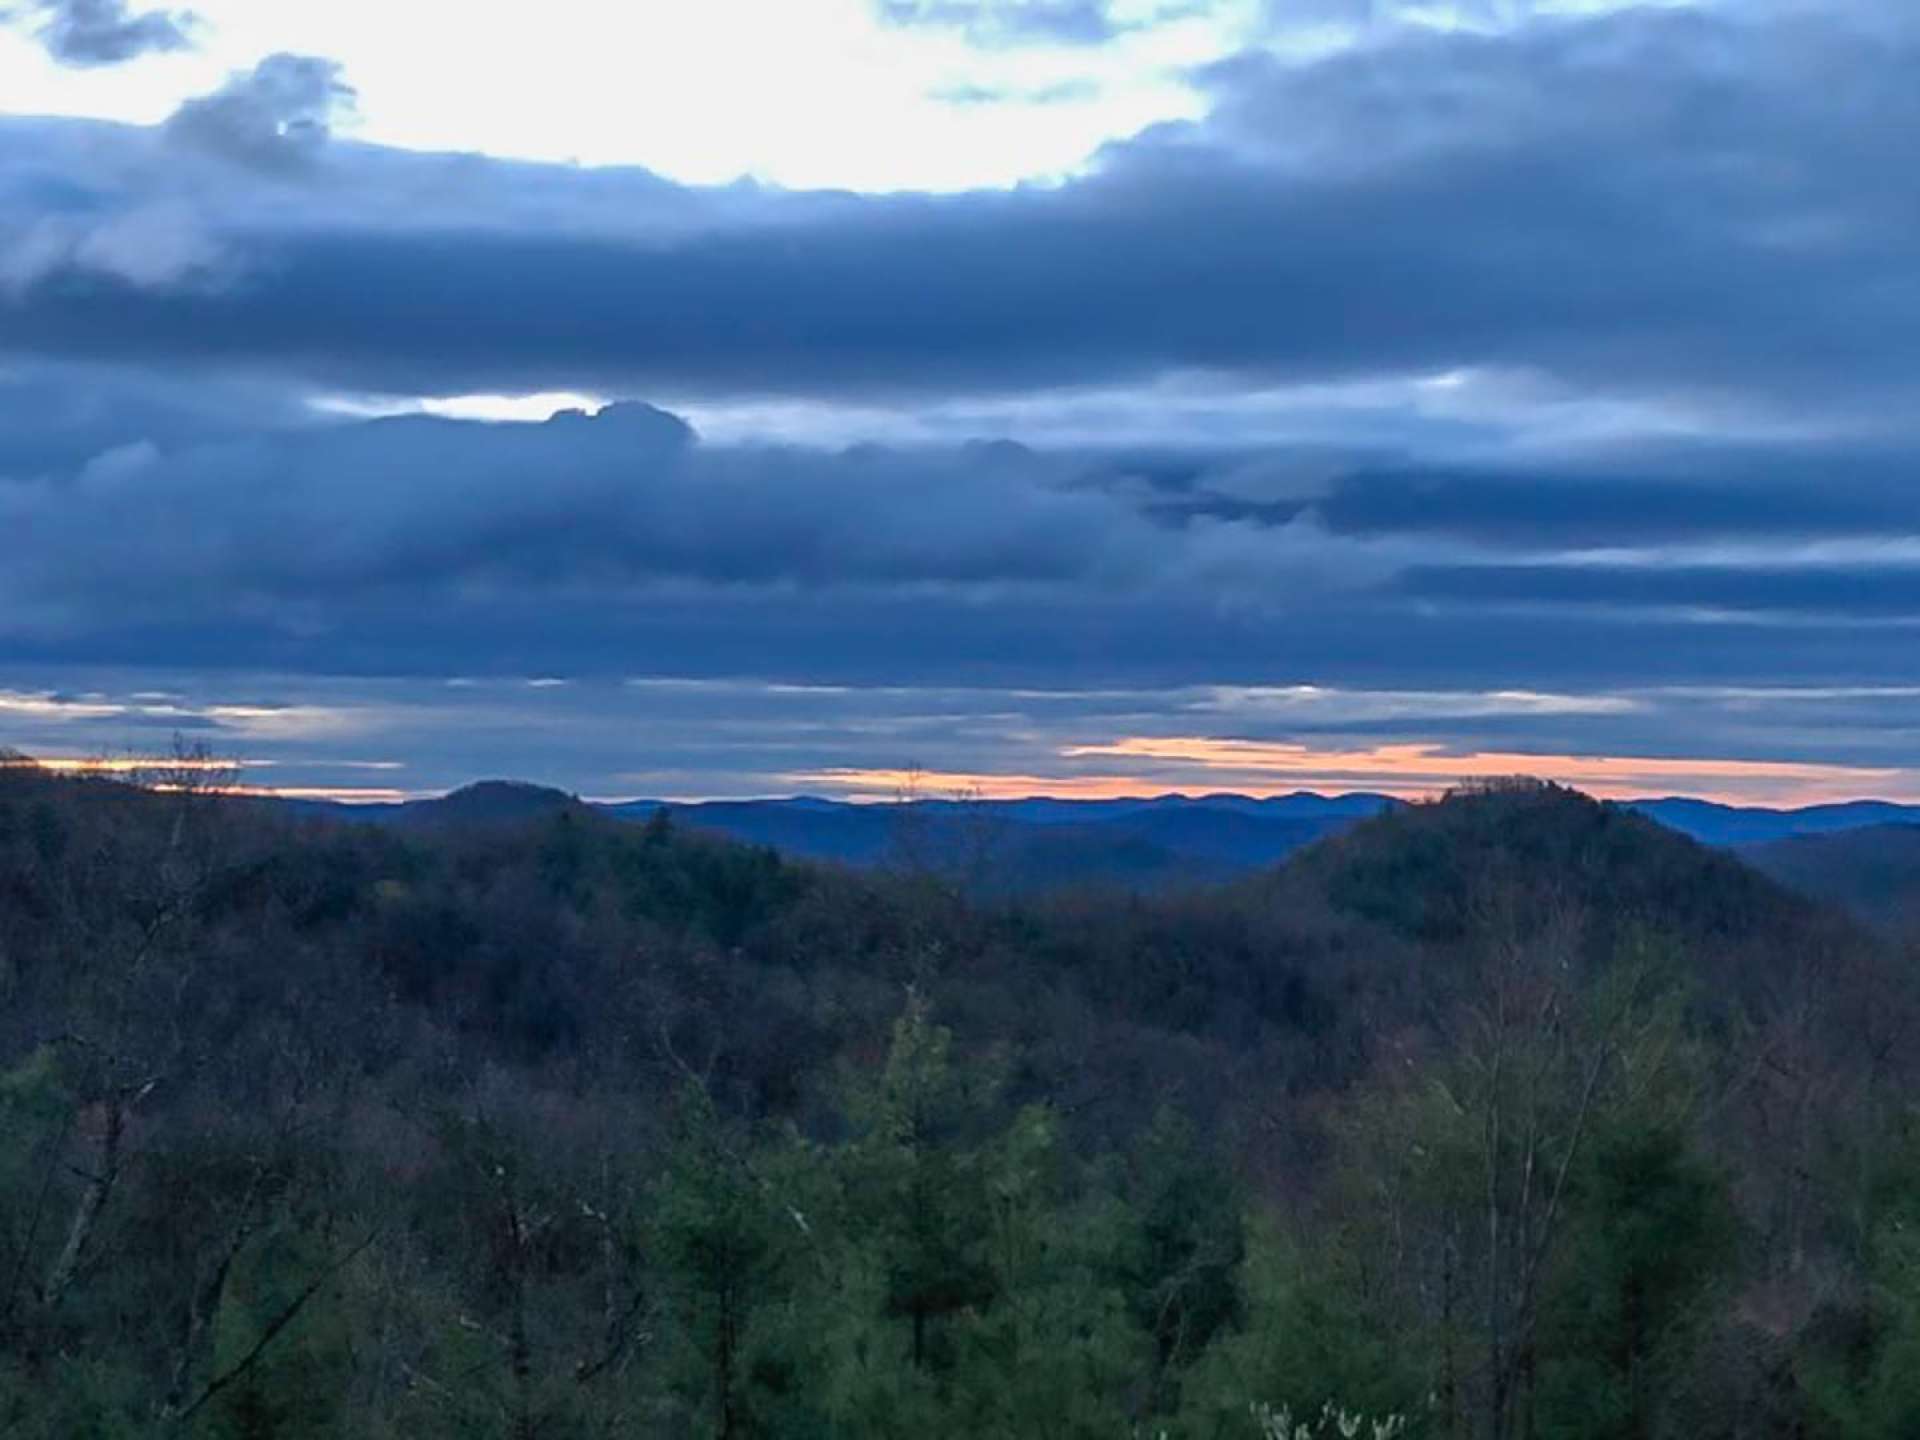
1042 842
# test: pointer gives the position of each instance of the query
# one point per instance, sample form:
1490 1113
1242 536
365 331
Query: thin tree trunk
723 1364
93 1200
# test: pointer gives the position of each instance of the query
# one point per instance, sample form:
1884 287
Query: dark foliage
1512 1115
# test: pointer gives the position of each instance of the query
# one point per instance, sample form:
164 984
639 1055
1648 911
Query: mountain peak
489 801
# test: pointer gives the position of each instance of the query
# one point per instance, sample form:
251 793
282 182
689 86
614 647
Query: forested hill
1509 1111
1873 872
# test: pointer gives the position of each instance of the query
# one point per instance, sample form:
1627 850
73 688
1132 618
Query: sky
1085 397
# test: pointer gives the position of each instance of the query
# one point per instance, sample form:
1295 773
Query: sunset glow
162 773
134 765
334 794
1407 771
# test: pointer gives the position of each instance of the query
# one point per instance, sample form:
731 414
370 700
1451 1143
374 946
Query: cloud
1060 93
684 736
623 499
1733 492
1005 22
160 246
55 419
1138 768
1285 17
275 118
466 540
1858 591
1653 204
1503 381
104 32
417 545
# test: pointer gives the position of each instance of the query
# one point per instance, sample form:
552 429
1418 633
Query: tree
1652 1229
918 1183
725 1245
1181 1262
1479 1164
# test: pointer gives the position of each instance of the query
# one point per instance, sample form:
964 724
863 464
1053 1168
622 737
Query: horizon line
1121 790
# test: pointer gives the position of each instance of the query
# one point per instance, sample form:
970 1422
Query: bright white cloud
802 93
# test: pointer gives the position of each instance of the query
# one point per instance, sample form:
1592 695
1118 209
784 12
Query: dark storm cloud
1814 492
1865 589
1662 202
55 419
102 32
936 637
274 118
623 544
332 515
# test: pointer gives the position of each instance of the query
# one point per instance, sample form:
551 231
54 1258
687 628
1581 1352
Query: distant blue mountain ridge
1044 841
1756 825
1040 841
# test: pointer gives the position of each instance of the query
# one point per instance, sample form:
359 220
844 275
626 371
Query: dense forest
1511 1115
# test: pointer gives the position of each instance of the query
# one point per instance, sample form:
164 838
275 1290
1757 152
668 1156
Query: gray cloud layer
624 544
623 497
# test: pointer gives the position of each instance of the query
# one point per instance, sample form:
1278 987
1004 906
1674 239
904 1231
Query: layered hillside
271 1085
1874 872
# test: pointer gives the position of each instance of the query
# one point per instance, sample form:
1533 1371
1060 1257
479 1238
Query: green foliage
918 1186
1310 1339
726 1244
1181 1263
1652 1230
293 1390
1508 1117
1863 1367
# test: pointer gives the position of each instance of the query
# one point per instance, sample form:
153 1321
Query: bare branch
287 1315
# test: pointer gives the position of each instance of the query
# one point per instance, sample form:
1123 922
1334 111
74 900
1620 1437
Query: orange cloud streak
132 766
944 784
1415 770
143 769
344 795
